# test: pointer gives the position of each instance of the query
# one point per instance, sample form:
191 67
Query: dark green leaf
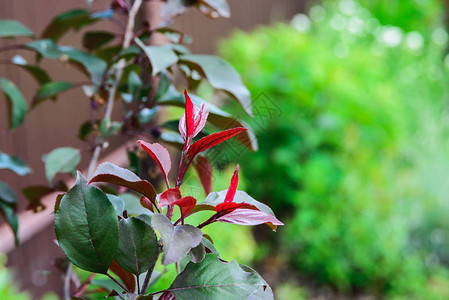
95 39
177 240
84 130
215 280
51 89
12 28
46 48
87 228
88 63
64 22
137 248
17 104
11 218
61 160
221 75
161 57
38 73
118 203
14 163
7 194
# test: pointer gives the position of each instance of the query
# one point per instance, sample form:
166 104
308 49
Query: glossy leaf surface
51 89
137 248
87 228
161 57
215 280
160 155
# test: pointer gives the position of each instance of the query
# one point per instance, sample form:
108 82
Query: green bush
357 156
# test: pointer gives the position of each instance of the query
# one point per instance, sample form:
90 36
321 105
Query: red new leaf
186 205
204 169
167 296
169 197
229 207
189 117
160 155
213 140
250 217
200 115
145 202
108 172
127 278
233 186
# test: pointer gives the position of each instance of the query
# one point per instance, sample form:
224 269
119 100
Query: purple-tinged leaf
167 296
126 277
160 155
204 169
250 217
233 186
213 140
177 240
169 197
186 205
108 172
145 202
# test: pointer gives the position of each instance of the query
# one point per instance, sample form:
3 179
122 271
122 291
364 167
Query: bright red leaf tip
169 197
189 118
229 207
200 115
233 186
212 140
160 155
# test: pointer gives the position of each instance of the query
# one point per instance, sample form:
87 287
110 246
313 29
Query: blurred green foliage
356 158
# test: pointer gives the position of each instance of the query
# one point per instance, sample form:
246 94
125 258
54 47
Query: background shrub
358 156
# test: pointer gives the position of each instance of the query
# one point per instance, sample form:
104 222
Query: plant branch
149 273
66 286
118 75
115 280
80 291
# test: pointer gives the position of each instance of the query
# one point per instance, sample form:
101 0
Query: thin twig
80 291
149 273
66 287
115 280
118 75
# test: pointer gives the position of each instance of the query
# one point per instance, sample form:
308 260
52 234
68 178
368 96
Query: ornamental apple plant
98 234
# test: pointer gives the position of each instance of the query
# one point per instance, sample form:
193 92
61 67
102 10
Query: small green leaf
108 128
88 63
45 47
87 228
61 160
177 240
34 194
197 253
51 89
38 73
7 194
221 75
17 103
138 246
64 22
215 280
12 28
161 57
11 218
14 163
95 39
